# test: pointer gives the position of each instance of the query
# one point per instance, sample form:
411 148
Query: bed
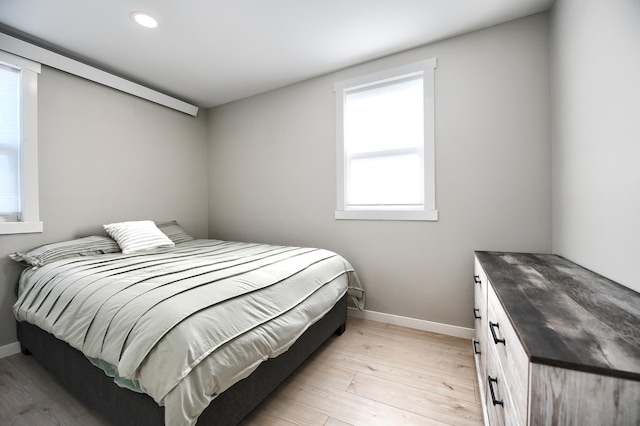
186 331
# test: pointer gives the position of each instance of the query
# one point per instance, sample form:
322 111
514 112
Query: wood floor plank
349 407
411 352
424 339
378 352
316 370
428 404
91 419
28 405
45 381
392 371
281 411
450 341
10 378
336 422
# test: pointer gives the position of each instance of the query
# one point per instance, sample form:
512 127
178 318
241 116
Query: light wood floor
374 374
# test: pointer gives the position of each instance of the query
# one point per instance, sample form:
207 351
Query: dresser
555 344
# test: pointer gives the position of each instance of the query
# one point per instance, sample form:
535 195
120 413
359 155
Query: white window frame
428 212
30 214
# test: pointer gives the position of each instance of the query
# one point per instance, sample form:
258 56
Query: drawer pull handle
476 279
493 326
493 395
476 313
475 347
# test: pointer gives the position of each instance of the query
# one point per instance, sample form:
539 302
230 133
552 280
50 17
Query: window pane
9 143
385 144
385 180
385 116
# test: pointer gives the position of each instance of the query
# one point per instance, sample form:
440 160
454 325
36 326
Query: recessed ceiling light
144 19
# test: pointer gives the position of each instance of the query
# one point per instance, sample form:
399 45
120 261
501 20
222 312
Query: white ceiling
209 52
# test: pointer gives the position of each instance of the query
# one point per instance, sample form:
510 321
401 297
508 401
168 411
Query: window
385 145
18 145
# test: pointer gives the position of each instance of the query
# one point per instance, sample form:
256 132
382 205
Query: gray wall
596 135
107 156
272 172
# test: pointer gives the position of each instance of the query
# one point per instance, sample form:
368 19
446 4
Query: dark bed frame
124 407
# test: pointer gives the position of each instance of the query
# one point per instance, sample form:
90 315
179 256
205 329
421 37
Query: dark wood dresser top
566 315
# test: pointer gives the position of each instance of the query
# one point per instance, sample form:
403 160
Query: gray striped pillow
137 236
87 246
174 232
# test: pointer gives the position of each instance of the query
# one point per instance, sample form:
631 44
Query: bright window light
383 139
10 146
19 201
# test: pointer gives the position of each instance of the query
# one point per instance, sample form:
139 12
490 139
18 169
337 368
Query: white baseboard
433 327
10 349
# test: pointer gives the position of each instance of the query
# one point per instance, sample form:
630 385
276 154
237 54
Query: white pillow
137 236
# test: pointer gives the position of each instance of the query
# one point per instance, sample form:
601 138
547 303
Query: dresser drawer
499 401
511 356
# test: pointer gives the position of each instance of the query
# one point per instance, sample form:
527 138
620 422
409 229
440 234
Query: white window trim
30 220
429 213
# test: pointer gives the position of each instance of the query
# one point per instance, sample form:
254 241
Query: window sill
428 215
20 227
